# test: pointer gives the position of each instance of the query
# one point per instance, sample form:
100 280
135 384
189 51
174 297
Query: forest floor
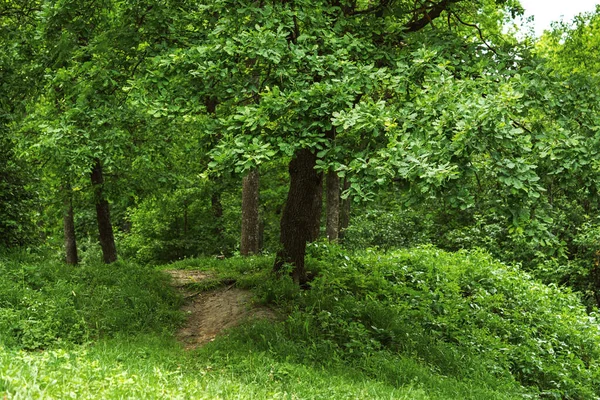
213 311
315 352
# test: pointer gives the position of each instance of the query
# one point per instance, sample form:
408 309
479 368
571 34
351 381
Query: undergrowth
413 324
462 313
45 303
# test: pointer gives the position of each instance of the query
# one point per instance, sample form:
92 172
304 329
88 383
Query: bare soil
212 312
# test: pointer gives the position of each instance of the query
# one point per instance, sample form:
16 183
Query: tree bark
345 210
217 211
250 239
185 218
333 206
69 229
105 230
301 211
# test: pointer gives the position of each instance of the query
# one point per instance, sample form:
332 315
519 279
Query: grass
247 272
150 366
418 324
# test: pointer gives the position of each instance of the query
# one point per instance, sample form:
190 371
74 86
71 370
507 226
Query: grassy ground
150 366
421 324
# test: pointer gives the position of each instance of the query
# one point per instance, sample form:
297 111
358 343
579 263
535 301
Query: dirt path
212 311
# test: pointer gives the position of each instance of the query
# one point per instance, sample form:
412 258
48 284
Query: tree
81 123
573 47
250 241
285 73
17 82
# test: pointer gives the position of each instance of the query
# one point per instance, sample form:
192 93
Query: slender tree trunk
217 211
69 228
261 234
300 213
345 210
250 240
185 219
105 230
333 206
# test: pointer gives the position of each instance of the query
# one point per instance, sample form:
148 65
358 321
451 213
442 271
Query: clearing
210 312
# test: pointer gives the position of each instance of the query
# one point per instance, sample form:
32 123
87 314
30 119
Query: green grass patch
245 272
232 367
45 303
413 324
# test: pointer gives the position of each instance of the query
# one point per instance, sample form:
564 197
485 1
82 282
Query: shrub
387 228
458 311
43 302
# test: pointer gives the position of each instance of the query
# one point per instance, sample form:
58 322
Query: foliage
418 323
16 202
179 225
449 309
572 47
388 227
17 81
261 360
171 224
45 303
509 166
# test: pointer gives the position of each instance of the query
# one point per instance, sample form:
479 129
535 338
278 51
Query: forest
298 199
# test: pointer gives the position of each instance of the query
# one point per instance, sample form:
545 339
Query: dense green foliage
486 142
419 323
440 305
136 120
15 201
572 46
44 303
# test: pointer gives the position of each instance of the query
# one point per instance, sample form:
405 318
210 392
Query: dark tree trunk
333 206
250 240
185 218
217 211
69 229
345 210
302 210
261 234
107 239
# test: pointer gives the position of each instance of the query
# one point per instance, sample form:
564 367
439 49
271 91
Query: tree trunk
217 211
345 210
107 239
69 229
250 240
333 206
301 211
185 219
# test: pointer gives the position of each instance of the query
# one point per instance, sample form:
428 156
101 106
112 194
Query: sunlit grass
418 324
149 367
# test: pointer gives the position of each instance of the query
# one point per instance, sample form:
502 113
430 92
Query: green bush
386 229
16 223
43 302
461 312
180 225
582 270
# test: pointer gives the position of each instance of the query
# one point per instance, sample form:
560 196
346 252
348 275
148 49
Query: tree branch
429 16
478 30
